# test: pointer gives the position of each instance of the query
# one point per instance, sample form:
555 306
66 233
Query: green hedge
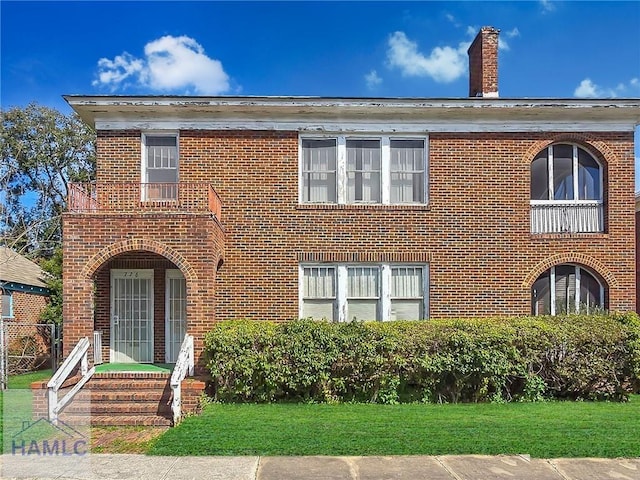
464 360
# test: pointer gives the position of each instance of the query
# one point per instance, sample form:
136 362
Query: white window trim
143 150
550 178
384 302
385 167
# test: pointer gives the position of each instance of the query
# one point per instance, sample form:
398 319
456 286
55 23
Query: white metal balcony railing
567 217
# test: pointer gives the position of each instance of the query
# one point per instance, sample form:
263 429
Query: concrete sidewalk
450 467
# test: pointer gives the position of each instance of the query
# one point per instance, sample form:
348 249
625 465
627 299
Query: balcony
567 217
135 198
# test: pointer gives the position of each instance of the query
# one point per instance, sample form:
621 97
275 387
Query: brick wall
27 307
475 231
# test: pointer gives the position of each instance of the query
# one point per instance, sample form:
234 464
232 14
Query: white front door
131 316
176 314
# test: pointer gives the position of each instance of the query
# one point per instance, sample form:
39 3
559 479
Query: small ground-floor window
566 289
364 292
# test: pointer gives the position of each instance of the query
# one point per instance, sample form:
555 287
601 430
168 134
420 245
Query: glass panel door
131 316
176 314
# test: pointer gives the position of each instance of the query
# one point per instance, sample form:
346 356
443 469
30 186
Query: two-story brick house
215 208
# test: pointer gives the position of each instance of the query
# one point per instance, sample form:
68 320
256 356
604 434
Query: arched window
566 289
566 191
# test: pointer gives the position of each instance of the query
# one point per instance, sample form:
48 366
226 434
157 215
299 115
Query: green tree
42 151
53 266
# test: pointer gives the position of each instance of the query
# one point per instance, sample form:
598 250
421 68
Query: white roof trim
320 126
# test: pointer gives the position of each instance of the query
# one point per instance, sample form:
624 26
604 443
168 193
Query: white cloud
514 32
372 79
443 64
547 6
503 45
588 89
169 64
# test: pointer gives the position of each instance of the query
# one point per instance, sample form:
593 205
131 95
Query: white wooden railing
97 348
567 218
77 355
184 366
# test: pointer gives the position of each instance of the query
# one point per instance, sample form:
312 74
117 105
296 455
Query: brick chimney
483 64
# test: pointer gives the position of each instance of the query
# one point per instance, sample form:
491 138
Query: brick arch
132 244
598 147
571 257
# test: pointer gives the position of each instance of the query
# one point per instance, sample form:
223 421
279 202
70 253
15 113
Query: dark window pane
563 172
565 289
540 177
589 176
589 292
541 295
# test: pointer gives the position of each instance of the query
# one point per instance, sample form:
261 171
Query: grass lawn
543 430
21 382
24 380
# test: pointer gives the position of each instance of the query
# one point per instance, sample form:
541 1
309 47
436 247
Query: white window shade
407 171
406 309
319 292
407 293
363 171
319 170
363 293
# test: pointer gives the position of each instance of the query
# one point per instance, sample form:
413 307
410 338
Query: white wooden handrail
184 366
77 355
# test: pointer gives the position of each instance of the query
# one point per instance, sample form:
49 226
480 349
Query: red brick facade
474 232
27 307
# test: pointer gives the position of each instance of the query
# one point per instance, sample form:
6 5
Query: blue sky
374 49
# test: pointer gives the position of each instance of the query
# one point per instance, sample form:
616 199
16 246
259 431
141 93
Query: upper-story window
160 167
566 191
350 170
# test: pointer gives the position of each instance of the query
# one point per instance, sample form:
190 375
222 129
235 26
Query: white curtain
406 293
363 171
319 293
319 170
407 171
363 293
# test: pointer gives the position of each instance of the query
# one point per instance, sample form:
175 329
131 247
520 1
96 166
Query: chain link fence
28 347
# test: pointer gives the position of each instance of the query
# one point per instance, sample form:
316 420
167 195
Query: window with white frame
363 293
342 292
566 289
566 191
319 161
407 293
408 171
378 170
318 292
7 304
160 167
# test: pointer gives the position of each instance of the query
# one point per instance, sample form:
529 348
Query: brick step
129 396
131 420
128 385
129 409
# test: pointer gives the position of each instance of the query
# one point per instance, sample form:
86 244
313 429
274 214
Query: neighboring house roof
17 272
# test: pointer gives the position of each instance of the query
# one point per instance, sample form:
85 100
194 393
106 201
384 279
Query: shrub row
464 360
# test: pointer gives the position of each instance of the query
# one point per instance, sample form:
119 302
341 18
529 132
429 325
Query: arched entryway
140 308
